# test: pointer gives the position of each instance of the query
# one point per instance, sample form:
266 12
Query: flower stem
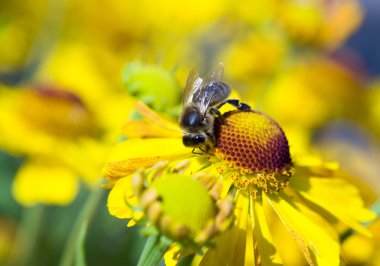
77 234
27 236
154 250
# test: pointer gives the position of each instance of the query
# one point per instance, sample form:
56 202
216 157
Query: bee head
194 140
192 119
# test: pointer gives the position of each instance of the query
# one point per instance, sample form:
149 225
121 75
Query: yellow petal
137 215
317 246
230 246
18 137
155 118
313 162
39 182
250 256
119 198
171 256
72 154
358 250
131 223
132 154
144 129
268 253
153 125
327 223
282 240
336 196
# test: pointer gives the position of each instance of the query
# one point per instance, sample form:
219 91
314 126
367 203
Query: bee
202 99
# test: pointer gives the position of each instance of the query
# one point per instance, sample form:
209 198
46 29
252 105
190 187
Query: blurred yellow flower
255 57
279 209
320 87
321 23
53 128
64 130
253 163
20 23
12 57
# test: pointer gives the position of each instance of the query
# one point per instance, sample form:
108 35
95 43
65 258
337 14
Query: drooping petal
127 156
118 197
336 196
39 182
268 253
317 246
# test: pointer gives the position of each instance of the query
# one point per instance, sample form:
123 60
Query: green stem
77 234
80 258
27 235
154 250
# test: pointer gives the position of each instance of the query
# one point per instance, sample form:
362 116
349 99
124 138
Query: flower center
56 112
253 147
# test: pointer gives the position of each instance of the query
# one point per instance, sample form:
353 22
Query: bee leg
236 103
239 105
216 113
193 151
199 153
205 151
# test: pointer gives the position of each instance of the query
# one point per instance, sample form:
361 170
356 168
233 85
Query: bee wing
213 76
193 83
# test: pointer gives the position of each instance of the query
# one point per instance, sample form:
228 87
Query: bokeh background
70 72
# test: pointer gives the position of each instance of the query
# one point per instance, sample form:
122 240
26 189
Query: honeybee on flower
251 168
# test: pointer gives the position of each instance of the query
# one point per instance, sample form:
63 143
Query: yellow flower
63 130
253 164
56 132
